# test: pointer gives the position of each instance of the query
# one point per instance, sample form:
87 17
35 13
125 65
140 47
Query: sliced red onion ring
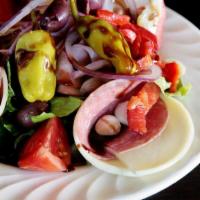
11 49
152 74
68 90
65 71
74 50
92 66
4 89
93 56
23 13
64 65
71 38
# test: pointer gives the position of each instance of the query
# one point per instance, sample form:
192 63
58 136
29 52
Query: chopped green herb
42 117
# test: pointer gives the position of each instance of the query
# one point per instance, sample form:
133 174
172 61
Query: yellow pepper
105 40
35 56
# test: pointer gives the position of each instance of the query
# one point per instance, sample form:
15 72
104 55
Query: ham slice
155 121
103 101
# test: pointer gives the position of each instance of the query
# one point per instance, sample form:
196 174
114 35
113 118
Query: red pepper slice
171 72
139 105
145 42
113 18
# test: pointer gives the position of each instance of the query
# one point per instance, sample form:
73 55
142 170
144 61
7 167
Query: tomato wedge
139 105
172 73
113 18
47 149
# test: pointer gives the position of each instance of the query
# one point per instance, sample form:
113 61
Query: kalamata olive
32 109
55 16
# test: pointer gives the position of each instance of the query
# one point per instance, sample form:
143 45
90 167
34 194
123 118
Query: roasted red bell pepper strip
139 105
113 18
145 42
171 72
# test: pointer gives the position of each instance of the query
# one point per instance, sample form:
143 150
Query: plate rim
157 187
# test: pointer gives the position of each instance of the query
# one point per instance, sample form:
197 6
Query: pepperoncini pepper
105 40
35 56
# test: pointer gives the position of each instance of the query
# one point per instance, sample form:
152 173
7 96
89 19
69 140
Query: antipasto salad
83 80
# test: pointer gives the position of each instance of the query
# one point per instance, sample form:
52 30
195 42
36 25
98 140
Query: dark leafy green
42 117
64 106
182 90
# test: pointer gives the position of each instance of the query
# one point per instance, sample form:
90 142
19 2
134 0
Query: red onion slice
23 13
153 73
92 66
68 90
65 71
11 49
4 89
81 47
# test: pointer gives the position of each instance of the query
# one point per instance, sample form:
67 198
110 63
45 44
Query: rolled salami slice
103 101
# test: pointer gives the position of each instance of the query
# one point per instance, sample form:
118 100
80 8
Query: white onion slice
23 13
4 84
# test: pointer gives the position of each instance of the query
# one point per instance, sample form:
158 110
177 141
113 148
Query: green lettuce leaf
163 84
182 90
42 117
64 106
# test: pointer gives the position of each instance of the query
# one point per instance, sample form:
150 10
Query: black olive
24 115
56 16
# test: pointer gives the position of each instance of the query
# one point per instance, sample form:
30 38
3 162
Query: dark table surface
187 188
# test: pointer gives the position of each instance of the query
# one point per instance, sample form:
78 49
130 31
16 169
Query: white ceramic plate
181 41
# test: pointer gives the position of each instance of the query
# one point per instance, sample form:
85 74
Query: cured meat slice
155 121
139 105
103 101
